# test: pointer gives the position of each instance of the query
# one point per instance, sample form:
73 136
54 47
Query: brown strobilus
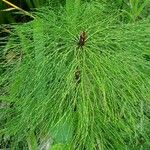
81 43
77 75
82 39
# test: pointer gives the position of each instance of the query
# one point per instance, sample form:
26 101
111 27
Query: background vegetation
76 75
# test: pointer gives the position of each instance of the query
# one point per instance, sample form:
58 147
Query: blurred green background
10 16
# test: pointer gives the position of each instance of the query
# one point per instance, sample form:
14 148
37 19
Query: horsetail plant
82 81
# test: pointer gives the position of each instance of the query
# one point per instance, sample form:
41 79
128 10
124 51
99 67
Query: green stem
32 142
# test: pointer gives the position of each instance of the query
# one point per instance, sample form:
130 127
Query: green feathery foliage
90 94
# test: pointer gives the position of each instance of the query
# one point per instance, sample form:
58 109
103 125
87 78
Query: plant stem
18 8
32 142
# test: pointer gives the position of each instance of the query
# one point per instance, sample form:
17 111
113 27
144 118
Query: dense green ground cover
78 77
